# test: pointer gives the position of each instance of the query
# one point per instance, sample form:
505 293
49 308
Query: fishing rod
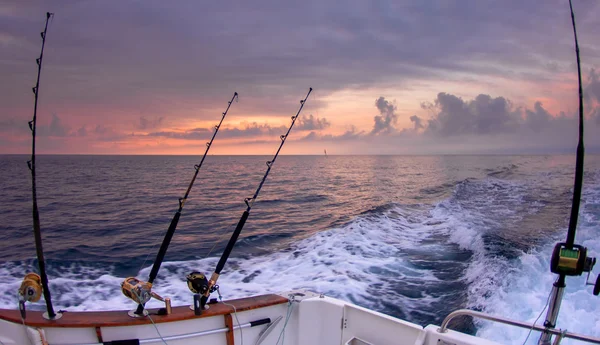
30 290
568 258
197 282
142 289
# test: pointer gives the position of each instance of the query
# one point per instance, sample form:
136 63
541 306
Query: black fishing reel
574 262
197 283
201 287
570 261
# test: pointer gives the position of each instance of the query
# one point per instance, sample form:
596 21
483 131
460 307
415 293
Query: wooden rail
120 318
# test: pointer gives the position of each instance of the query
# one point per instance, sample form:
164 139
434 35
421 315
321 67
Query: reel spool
141 292
31 288
30 291
197 283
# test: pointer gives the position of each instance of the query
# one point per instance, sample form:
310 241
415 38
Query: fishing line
173 225
287 318
540 315
568 258
235 314
149 317
159 335
37 232
210 286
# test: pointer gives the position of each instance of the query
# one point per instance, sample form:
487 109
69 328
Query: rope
234 314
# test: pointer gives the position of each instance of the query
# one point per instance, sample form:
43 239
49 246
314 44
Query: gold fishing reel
136 290
141 292
30 291
31 288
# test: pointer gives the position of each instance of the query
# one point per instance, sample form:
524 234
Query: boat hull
296 317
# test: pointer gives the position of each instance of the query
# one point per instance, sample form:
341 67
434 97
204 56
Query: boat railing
558 332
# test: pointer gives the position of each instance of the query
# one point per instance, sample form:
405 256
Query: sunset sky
389 77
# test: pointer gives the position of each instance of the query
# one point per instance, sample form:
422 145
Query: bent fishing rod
173 226
197 282
568 258
33 285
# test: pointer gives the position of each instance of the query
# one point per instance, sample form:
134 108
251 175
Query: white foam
524 290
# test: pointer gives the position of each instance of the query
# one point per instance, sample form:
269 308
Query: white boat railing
558 332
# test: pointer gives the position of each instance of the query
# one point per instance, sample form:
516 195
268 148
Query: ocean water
410 236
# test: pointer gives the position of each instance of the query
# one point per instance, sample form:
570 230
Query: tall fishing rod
569 258
171 230
50 314
196 281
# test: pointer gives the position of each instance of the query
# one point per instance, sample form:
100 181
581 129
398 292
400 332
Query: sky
388 77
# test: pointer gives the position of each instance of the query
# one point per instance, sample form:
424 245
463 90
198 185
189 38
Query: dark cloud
538 118
119 59
82 131
193 135
351 134
418 122
149 55
249 130
312 123
591 93
12 125
484 124
483 115
386 121
149 123
56 128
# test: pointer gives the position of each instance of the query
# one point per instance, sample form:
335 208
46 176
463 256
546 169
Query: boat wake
482 247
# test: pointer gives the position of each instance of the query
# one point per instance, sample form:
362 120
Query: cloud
149 124
248 130
158 66
386 120
483 115
418 122
312 123
10 125
592 89
56 128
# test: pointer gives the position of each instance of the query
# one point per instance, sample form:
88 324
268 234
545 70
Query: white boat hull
307 318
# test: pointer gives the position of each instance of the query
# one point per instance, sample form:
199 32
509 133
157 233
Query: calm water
413 237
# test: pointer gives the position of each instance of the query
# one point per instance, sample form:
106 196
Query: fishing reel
197 283
29 291
201 287
574 262
570 261
141 292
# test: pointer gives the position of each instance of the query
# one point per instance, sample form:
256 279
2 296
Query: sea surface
410 236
